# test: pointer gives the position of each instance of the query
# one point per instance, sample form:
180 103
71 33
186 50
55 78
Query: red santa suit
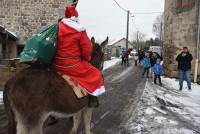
73 56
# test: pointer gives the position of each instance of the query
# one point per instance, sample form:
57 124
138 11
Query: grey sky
104 17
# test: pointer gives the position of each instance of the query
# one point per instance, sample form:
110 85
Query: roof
9 33
117 41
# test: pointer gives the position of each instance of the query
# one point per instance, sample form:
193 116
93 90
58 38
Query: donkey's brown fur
35 93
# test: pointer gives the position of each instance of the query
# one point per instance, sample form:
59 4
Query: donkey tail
11 128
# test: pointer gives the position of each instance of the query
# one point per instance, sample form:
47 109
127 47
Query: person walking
136 59
153 59
123 57
146 65
158 70
153 62
141 55
184 67
127 53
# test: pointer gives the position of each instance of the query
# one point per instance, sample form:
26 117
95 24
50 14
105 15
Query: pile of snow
1 97
167 110
110 63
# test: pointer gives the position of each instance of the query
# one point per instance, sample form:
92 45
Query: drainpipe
197 46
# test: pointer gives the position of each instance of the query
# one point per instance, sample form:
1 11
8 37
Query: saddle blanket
77 88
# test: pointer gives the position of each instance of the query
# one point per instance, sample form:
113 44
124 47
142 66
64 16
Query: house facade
180 29
26 17
8 47
117 46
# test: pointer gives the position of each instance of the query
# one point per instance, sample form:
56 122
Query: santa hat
70 12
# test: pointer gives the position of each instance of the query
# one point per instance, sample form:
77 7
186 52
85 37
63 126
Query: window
184 4
20 48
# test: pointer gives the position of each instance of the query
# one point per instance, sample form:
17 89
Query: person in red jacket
73 56
127 53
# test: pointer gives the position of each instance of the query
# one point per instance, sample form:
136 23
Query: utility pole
161 25
197 46
161 43
127 30
137 40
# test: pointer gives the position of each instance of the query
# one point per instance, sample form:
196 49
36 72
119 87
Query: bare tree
158 26
139 39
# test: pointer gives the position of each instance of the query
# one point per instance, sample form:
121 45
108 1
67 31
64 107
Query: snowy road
125 87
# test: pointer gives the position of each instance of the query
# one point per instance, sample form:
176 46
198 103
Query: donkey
36 93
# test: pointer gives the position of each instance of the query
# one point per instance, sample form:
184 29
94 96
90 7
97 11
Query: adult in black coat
184 67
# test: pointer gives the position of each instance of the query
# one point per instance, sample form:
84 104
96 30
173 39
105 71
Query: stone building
25 17
8 48
18 20
180 29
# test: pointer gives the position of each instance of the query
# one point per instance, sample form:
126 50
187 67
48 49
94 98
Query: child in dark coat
158 70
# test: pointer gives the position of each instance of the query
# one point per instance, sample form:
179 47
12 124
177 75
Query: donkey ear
105 42
93 40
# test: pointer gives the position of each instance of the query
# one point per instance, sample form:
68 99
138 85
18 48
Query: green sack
41 47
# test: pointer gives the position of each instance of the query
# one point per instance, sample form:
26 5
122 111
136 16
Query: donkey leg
76 122
21 128
87 116
27 128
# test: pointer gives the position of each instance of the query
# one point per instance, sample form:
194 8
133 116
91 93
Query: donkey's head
98 53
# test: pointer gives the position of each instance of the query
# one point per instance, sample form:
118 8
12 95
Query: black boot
93 101
181 88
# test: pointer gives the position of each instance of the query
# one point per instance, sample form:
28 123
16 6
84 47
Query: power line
120 6
147 12
135 12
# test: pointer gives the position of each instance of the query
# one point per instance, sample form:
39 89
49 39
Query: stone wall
180 30
5 75
9 70
25 17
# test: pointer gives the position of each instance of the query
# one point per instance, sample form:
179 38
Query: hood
73 24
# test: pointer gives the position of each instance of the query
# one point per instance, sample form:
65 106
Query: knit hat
158 60
71 11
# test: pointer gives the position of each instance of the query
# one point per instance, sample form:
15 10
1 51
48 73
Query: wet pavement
125 87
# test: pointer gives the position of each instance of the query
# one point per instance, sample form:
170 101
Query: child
123 57
146 64
158 69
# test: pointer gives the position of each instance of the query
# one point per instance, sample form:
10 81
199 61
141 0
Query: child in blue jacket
158 70
147 65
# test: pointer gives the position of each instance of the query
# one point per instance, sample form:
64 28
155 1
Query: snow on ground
177 112
123 74
110 63
1 97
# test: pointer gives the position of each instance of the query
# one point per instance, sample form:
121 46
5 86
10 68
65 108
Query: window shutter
184 4
178 4
187 3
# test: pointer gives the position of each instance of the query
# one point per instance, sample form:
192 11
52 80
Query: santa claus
73 56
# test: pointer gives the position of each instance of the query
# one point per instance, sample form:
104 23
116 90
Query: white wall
122 43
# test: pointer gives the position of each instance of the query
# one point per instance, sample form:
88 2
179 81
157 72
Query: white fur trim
99 91
72 22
